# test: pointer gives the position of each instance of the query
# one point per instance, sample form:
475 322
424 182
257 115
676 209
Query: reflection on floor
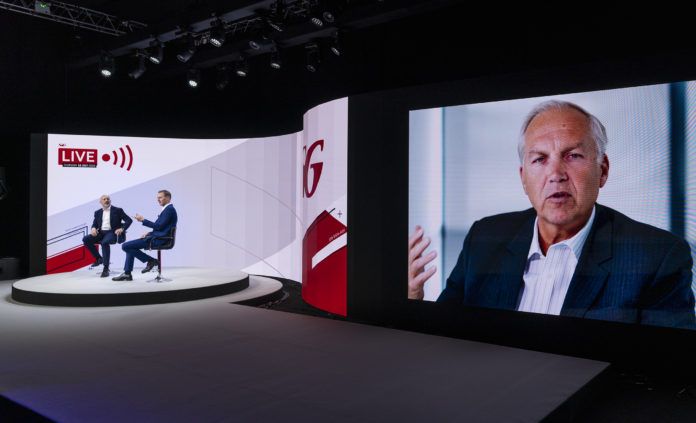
210 360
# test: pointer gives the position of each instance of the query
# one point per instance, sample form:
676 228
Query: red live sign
77 157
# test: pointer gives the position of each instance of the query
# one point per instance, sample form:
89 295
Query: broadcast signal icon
124 156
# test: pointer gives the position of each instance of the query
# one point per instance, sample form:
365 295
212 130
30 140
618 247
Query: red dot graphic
106 158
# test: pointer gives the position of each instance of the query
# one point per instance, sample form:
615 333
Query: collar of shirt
575 243
164 207
107 210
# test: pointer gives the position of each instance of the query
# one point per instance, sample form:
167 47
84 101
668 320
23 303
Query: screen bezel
378 210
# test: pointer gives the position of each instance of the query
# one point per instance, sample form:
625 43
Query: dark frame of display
378 218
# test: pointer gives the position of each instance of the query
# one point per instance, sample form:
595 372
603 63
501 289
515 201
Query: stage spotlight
275 24
328 16
187 53
193 77
312 58
254 45
156 52
335 46
276 63
242 67
276 17
223 77
106 65
317 21
217 34
140 69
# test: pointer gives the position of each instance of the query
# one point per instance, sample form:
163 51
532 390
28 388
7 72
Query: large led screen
577 205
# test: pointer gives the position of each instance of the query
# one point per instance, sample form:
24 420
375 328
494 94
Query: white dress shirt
547 277
106 219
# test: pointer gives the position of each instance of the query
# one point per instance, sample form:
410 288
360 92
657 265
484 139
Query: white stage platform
85 287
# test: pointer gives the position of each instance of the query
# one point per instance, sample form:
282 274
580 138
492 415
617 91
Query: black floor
633 396
621 395
291 301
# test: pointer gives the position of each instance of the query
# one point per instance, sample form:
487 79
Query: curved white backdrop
241 203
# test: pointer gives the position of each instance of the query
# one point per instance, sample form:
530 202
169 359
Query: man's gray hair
597 131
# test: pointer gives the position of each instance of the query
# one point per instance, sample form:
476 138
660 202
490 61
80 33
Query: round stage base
85 288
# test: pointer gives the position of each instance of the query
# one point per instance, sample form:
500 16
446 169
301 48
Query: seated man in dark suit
162 227
109 226
567 255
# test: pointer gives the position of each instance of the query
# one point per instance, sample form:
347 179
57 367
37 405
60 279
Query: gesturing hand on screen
139 218
417 273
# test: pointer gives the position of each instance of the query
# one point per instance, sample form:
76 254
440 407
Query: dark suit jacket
628 271
164 223
119 219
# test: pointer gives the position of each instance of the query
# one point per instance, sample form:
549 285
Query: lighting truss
75 16
290 10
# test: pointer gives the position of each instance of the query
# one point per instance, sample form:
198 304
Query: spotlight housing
156 52
242 68
106 65
312 57
328 16
217 34
193 77
275 24
335 46
140 68
187 53
275 62
316 21
254 45
274 18
223 77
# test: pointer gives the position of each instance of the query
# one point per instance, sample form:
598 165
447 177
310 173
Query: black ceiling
49 87
153 12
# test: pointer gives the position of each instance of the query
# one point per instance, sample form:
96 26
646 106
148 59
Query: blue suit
119 219
160 228
628 271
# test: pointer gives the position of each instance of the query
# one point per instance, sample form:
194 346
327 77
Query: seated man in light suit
162 227
566 255
109 226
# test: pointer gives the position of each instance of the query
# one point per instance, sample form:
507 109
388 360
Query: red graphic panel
77 157
70 260
324 286
125 156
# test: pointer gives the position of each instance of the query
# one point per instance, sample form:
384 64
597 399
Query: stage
84 288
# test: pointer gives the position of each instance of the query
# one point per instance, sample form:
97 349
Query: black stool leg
159 277
159 265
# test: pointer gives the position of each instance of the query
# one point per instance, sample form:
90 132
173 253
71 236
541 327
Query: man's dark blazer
119 219
166 220
628 271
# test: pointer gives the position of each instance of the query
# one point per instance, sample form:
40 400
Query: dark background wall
41 92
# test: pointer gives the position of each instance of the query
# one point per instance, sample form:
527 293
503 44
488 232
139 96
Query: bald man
109 226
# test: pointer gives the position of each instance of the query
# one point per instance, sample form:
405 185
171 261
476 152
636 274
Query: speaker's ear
3 184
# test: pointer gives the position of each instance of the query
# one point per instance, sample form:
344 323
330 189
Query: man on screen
162 227
566 255
109 226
